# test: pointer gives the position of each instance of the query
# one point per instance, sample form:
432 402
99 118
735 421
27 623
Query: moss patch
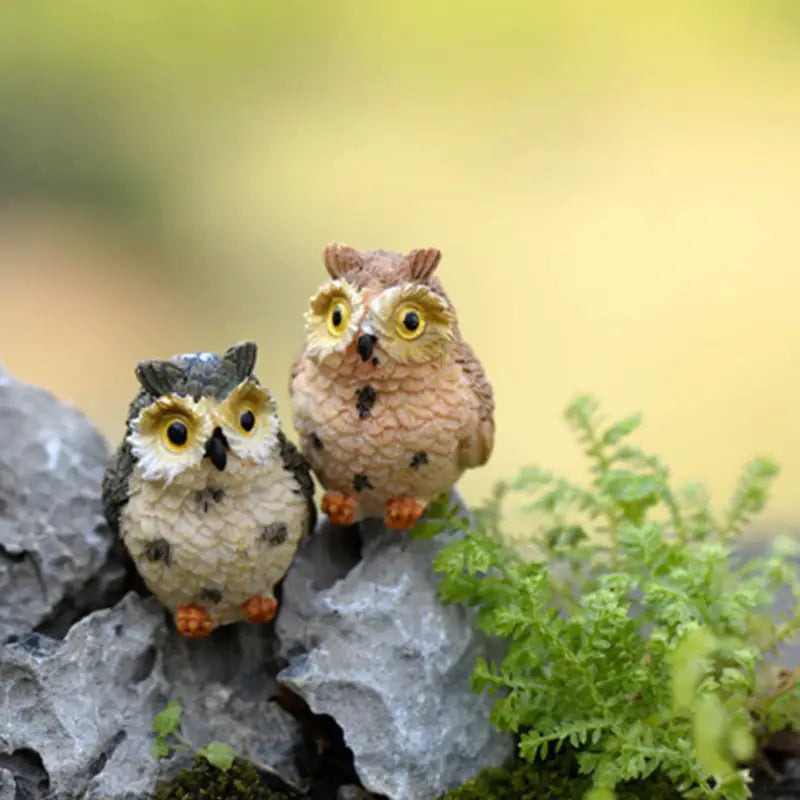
556 778
204 782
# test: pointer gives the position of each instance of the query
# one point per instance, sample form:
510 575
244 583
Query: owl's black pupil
177 433
247 420
337 317
411 320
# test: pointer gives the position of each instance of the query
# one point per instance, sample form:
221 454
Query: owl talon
402 512
193 622
340 508
260 609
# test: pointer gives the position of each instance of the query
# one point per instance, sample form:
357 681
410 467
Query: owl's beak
365 345
217 449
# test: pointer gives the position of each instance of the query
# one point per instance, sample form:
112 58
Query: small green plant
168 738
635 634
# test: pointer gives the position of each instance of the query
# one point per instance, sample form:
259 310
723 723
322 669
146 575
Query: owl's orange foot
193 621
402 512
260 609
340 508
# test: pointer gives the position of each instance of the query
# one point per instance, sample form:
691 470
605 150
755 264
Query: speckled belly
215 542
385 432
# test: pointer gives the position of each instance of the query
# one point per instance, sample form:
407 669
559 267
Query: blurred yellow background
614 185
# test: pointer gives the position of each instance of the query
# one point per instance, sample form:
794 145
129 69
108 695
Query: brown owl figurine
390 403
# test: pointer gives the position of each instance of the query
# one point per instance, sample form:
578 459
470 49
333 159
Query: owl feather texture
206 493
390 403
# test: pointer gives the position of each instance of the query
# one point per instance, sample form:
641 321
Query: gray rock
54 544
25 772
8 786
85 706
81 705
224 684
370 644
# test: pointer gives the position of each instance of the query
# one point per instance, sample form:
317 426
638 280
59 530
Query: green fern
634 634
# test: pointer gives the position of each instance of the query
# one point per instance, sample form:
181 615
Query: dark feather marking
365 400
275 533
207 496
158 550
419 459
294 462
361 482
210 595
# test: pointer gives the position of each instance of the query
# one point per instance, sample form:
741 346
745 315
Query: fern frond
596 629
750 495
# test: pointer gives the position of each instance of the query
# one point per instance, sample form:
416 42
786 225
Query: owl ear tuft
158 377
420 264
243 357
340 259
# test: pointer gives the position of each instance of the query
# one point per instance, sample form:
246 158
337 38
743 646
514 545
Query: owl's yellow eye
247 421
409 321
175 434
338 316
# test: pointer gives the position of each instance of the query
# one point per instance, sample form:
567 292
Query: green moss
556 778
204 782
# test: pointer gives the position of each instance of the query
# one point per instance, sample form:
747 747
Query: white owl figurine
207 494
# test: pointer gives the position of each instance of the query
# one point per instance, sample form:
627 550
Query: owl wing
119 469
115 485
297 367
294 462
476 446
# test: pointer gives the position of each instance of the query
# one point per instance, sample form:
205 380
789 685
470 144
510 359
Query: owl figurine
390 403
206 493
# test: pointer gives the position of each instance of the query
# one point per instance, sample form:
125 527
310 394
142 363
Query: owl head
380 304
201 412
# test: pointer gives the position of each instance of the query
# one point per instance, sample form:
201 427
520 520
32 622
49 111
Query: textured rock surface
370 644
53 539
85 705
225 684
8 789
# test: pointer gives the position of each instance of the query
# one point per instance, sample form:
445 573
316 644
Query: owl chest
209 517
367 431
231 539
